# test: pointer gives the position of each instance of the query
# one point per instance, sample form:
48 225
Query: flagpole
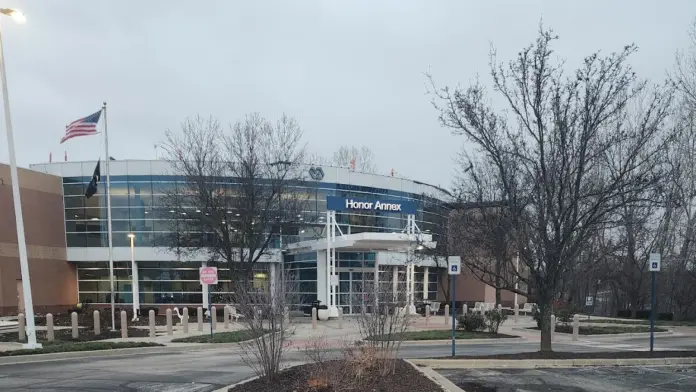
108 217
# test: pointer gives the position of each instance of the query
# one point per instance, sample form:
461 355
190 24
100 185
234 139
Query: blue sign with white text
335 203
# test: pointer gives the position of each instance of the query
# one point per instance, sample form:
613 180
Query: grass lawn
444 334
63 347
637 322
604 329
219 337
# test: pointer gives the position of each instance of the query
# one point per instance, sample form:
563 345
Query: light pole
134 280
21 240
517 278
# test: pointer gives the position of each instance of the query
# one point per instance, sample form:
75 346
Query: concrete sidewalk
334 334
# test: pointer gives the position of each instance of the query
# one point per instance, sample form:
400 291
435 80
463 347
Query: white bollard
168 314
553 326
21 325
465 309
73 322
517 313
50 335
97 323
213 317
340 317
226 316
314 318
199 314
184 320
576 327
124 324
151 322
447 314
427 314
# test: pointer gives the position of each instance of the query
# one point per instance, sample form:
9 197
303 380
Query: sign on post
655 262
589 301
208 275
454 265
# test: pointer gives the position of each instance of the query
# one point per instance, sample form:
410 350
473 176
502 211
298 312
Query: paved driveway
183 369
605 379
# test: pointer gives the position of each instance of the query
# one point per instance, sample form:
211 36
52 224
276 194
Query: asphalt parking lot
587 379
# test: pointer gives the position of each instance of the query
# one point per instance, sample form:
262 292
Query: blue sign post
654 262
454 269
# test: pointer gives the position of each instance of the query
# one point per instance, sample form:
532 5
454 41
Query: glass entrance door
352 284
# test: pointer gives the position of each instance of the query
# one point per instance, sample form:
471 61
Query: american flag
83 127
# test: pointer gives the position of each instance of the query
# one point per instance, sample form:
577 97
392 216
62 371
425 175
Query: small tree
264 307
383 321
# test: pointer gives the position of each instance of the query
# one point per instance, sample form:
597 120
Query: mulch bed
315 378
582 355
65 335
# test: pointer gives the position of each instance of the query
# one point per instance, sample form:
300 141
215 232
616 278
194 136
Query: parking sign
454 265
654 262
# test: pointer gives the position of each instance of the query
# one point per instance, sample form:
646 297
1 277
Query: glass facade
164 282
138 207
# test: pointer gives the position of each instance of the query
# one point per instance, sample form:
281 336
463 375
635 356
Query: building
372 239
54 280
376 225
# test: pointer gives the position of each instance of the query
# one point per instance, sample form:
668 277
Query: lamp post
134 280
517 278
21 240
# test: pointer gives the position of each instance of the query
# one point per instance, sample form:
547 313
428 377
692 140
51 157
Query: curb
546 363
603 335
33 358
436 377
463 341
227 388
630 335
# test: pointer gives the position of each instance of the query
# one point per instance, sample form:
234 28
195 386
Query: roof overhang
367 242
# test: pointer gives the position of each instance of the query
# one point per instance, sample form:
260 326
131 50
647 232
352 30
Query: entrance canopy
366 242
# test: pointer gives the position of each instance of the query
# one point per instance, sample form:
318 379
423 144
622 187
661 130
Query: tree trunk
545 309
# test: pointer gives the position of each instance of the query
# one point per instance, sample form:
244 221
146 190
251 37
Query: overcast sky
351 71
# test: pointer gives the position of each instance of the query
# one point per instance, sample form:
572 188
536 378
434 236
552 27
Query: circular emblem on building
317 173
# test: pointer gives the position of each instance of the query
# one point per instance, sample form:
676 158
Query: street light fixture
19 218
16 15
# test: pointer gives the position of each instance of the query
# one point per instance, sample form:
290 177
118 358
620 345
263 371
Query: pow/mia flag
92 187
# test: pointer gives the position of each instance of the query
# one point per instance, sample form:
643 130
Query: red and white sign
208 275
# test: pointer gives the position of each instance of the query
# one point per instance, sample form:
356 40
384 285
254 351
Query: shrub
626 313
565 316
471 322
494 318
665 316
643 314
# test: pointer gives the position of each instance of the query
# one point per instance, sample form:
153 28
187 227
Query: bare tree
383 321
681 205
564 162
265 315
236 193
362 158
481 227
